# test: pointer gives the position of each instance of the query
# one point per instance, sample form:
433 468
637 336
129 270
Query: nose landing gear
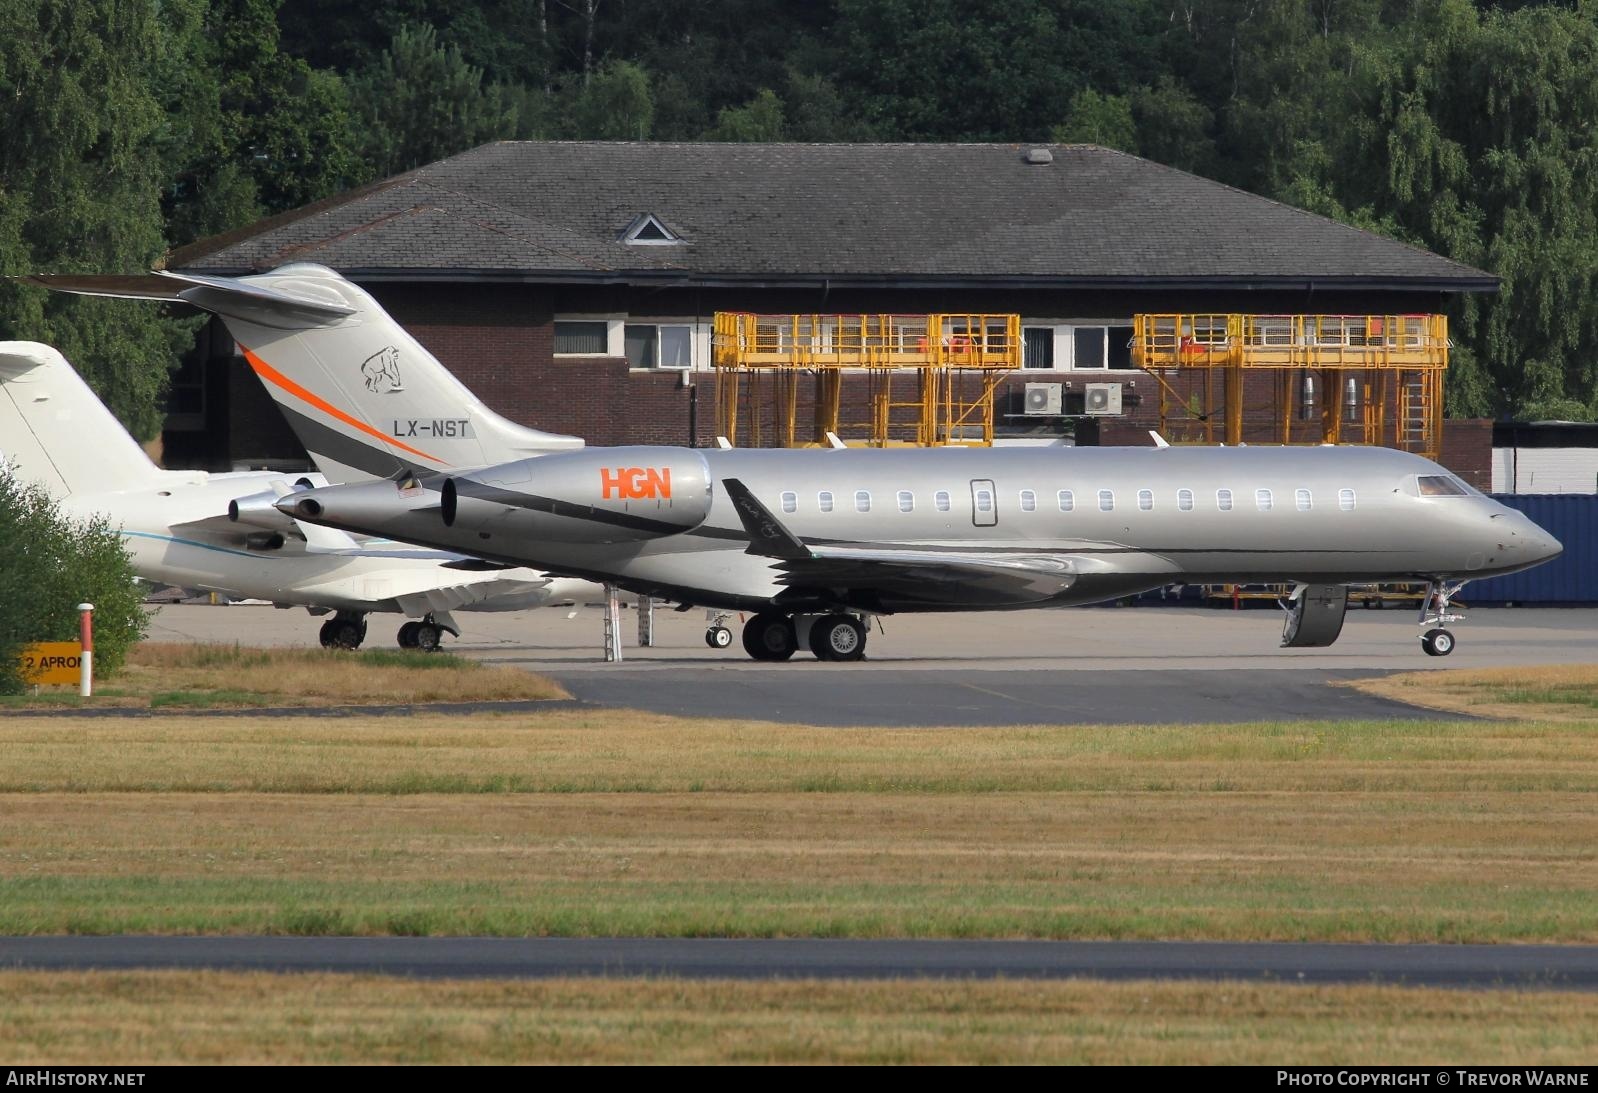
1434 613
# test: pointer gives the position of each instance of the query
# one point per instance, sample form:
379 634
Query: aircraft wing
466 593
954 577
913 570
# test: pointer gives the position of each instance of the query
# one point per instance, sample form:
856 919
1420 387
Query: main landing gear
1434 612
773 637
345 630
426 633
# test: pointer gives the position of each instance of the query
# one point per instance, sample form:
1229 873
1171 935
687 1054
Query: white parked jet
220 532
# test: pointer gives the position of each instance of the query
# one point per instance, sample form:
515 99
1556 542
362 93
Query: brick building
572 285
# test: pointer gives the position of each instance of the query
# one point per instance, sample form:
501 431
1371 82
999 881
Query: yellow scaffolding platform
1376 379
955 361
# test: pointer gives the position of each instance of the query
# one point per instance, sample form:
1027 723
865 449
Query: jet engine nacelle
260 509
598 495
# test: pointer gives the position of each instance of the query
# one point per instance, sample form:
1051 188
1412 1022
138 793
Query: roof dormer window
648 231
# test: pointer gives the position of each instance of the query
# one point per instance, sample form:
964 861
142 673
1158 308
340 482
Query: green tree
758 120
53 563
81 179
421 102
615 104
1104 120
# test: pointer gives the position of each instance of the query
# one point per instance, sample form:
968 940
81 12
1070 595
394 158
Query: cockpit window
1441 485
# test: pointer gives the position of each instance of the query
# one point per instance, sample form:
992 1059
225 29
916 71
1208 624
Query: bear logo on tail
381 372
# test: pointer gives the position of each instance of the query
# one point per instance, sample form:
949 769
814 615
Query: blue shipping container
1572 518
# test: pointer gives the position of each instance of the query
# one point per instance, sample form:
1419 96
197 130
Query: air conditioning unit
1042 398
1102 399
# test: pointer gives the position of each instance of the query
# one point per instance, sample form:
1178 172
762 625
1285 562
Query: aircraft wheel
326 634
429 636
770 637
838 637
347 634
718 637
1437 643
407 635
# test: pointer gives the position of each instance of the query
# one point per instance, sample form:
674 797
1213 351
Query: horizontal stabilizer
202 290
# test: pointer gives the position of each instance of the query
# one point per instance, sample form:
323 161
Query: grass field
211 676
571 823
134 1019
1565 692
582 823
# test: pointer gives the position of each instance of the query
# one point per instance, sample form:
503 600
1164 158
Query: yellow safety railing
741 340
1290 341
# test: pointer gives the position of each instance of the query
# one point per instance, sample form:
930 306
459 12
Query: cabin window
1437 485
1302 499
1223 500
1262 500
824 500
1029 501
1345 500
1106 500
984 500
940 500
907 501
1184 500
1145 499
790 501
1067 501
862 500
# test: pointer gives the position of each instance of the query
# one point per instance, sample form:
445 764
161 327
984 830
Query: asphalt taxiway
1566 967
1083 666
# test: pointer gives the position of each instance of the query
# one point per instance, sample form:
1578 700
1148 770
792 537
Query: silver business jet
815 542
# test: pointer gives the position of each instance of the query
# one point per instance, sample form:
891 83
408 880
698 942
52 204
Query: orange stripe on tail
277 379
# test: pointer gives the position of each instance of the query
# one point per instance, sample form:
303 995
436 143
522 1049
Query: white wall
1545 470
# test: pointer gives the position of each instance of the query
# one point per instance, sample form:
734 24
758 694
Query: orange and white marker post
86 660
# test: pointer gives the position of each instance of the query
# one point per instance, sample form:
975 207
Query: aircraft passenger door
984 503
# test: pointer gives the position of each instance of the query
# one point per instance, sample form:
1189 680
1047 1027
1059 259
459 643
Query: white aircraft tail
55 431
364 397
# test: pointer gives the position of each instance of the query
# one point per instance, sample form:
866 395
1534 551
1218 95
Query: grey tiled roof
797 212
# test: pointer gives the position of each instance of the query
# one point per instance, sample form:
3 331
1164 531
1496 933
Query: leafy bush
51 562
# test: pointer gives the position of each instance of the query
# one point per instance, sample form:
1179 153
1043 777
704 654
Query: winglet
1159 441
833 440
767 536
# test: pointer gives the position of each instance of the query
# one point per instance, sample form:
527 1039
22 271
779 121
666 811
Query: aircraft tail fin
55 431
364 397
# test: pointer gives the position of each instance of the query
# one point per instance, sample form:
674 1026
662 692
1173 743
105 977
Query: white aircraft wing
467 593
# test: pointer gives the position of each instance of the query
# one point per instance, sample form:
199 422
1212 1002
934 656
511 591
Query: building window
824 500
1029 501
1106 500
588 339
1223 500
1067 501
1303 500
790 502
1262 500
1037 347
941 500
1101 347
907 501
659 346
862 500
1145 499
1345 500
1184 500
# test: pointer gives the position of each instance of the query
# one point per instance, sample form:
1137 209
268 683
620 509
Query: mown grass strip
200 676
145 1018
